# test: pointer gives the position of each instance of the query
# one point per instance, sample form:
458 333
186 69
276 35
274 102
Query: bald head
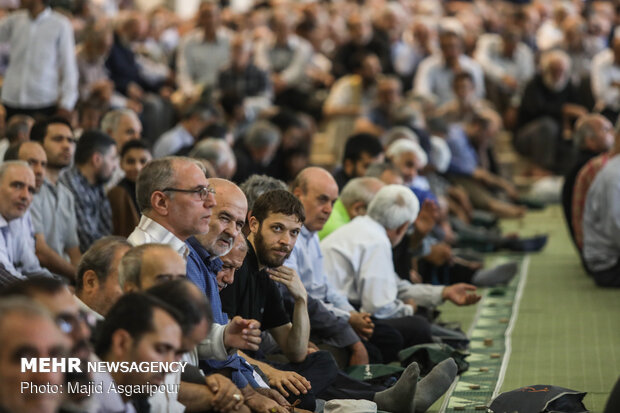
228 217
231 262
317 190
357 194
147 265
33 153
594 133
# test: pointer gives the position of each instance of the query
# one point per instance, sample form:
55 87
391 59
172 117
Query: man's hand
427 218
289 278
283 379
411 302
273 395
242 334
262 404
224 391
440 254
359 354
460 294
362 324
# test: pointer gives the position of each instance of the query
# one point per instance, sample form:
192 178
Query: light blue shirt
172 141
464 159
17 252
307 260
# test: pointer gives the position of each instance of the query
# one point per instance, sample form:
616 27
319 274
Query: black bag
538 399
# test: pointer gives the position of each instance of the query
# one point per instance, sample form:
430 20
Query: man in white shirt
436 73
605 75
42 77
17 187
358 260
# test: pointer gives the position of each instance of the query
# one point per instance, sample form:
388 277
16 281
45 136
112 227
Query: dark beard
262 251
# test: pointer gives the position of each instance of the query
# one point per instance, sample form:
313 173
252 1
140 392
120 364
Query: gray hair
547 58
585 129
261 135
18 124
256 185
23 306
402 146
216 151
157 175
130 266
359 189
393 206
98 259
110 120
6 165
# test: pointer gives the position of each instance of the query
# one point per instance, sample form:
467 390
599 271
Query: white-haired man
371 282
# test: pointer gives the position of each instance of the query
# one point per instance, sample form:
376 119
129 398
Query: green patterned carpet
566 331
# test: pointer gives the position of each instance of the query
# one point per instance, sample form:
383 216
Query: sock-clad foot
436 383
399 397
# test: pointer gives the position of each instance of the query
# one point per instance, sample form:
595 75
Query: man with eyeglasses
17 187
176 202
53 207
73 322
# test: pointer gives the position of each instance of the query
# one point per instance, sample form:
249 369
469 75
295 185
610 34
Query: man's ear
90 281
121 343
348 166
160 203
96 159
253 224
358 208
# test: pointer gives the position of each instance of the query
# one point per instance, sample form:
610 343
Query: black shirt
253 295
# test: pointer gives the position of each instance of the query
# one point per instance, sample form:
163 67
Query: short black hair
133 312
286 119
33 285
278 201
39 129
191 307
91 142
134 144
359 144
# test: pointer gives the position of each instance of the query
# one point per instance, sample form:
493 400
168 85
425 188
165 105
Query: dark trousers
607 278
413 329
36 113
385 343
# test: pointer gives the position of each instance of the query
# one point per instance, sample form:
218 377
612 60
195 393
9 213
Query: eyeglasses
202 191
71 322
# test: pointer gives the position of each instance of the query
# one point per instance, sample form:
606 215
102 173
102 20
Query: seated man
138 328
17 252
593 136
470 154
96 160
353 201
584 180
53 207
370 282
275 224
97 287
27 328
360 151
317 191
601 251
